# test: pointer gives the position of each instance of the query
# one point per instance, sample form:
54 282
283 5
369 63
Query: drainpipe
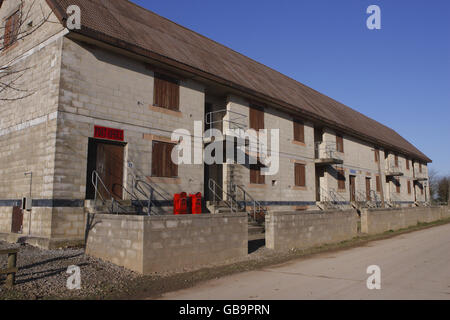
29 212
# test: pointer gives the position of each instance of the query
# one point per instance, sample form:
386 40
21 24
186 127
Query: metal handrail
337 199
151 190
209 118
95 178
133 196
256 204
213 186
328 149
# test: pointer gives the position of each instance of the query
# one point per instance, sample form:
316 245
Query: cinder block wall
374 221
287 230
167 243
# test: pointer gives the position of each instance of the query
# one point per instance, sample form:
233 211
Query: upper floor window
396 160
256 118
299 131
339 143
407 164
420 167
377 155
409 187
166 92
11 29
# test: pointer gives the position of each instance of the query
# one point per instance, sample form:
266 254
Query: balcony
420 177
327 154
227 122
394 169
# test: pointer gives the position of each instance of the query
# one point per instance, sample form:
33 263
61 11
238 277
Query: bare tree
433 180
18 27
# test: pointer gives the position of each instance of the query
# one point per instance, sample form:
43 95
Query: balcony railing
326 153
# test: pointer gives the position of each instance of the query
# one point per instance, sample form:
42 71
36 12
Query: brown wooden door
368 196
109 167
17 220
352 188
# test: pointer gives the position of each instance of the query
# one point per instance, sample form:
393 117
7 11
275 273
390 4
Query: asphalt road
413 266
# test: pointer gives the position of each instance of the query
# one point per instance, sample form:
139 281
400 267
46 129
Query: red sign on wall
108 133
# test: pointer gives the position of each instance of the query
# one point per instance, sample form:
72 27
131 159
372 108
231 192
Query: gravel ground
42 275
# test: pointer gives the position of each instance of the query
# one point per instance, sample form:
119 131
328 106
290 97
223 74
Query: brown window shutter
299 131
407 164
12 26
396 161
377 155
166 92
378 181
420 167
162 164
341 179
256 118
397 185
409 187
300 175
339 143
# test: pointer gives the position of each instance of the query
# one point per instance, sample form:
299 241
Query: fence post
11 277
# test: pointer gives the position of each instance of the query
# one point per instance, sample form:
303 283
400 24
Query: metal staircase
237 199
106 203
331 200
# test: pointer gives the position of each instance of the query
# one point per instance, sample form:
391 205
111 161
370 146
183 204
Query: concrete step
256 230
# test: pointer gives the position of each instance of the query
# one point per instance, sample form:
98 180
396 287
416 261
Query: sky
398 75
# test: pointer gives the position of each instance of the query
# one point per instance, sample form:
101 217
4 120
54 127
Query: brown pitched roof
124 24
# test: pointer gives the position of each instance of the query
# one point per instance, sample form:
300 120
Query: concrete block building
103 101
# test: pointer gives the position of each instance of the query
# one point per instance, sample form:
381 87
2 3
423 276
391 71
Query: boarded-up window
407 164
300 175
341 179
378 181
339 143
256 118
377 155
162 164
11 29
420 167
255 174
409 187
166 92
299 131
396 161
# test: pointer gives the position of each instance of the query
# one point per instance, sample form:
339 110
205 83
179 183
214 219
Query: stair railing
232 120
256 206
230 202
337 199
149 195
95 179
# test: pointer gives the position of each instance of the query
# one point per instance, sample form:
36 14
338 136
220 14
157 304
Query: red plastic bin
196 203
180 203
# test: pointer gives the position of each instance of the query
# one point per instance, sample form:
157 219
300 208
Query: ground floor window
162 164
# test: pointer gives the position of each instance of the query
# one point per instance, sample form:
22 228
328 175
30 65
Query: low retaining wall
287 230
167 243
375 221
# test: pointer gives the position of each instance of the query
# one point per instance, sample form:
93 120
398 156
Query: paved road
413 266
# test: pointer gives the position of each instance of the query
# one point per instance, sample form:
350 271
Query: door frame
352 186
91 163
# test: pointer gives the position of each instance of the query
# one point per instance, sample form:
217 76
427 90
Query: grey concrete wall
374 221
287 230
168 243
